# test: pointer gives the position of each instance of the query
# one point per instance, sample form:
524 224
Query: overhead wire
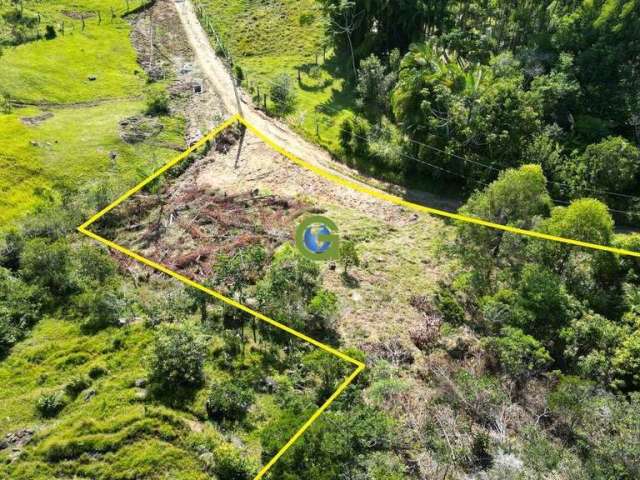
475 162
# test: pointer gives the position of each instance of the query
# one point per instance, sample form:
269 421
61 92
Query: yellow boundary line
83 229
421 208
334 178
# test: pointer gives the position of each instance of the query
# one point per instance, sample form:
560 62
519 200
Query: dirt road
218 75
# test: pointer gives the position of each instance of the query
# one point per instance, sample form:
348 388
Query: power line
410 157
476 162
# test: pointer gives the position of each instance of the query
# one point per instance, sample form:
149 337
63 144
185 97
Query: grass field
74 143
275 36
110 431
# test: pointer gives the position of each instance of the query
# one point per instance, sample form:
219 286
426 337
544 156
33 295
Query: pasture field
267 39
64 98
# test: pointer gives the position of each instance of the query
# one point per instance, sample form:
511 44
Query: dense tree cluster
544 307
484 86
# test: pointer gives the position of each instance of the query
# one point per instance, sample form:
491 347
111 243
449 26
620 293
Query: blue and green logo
317 238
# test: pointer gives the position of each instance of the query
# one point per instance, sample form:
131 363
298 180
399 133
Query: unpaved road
218 75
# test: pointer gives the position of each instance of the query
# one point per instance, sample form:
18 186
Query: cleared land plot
212 207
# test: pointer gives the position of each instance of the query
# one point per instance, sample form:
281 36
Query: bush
239 73
100 308
9 336
49 266
50 404
97 371
360 143
229 401
521 356
322 309
77 385
230 465
346 136
449 307
348 255
282 94
50 32
157 104
178 358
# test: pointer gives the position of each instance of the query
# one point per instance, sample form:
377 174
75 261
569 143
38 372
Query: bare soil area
241 193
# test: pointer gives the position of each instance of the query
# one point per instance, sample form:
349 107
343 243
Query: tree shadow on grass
175 397
349 280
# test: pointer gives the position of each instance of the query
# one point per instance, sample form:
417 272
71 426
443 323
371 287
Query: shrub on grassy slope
229 401
177 359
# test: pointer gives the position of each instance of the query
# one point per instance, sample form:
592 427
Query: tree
611 165
282 94
348 255
374 86
589 275
177 358
466 121
570 400
346 136
517 198
542 293
322 309
229 400
590 342
626 363
344 19
236 272
519 355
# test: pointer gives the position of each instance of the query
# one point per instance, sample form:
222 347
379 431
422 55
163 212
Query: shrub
449 307
348 255
50 32
77 385
5 101
9 336
306 19
322 309
521 356
282 94
100 308
50 404
178 357
48 265
230 465
239 73
97 371
157 104
229 401
346 136
360 143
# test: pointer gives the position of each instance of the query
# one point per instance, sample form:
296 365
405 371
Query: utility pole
151 40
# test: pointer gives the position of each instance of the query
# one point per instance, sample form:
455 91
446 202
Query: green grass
268 38
134 439
57 71
124 436
73 147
